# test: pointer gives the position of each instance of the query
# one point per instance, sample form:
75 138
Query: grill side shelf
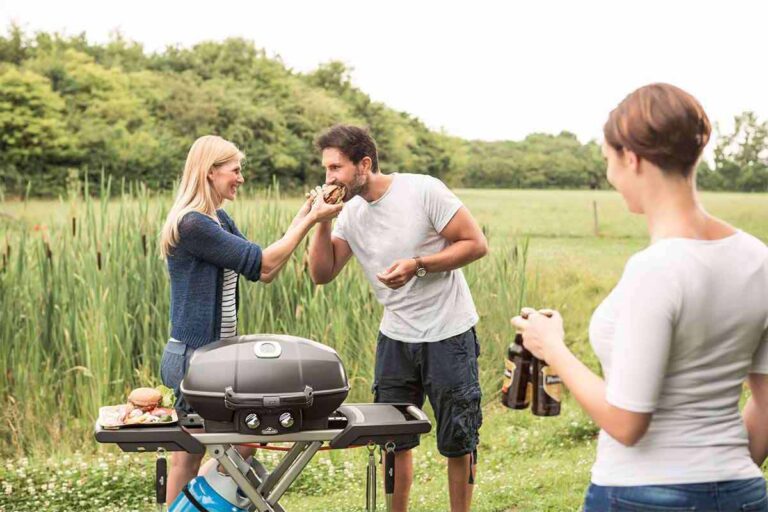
380 424
149 439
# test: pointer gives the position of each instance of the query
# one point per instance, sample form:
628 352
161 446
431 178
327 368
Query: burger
145 399
334 194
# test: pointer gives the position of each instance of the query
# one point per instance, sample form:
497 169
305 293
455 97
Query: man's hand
399 273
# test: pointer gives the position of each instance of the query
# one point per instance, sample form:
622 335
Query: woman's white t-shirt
677 337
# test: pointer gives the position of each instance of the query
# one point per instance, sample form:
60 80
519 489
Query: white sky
477 69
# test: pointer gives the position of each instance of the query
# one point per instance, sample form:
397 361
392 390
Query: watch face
421 272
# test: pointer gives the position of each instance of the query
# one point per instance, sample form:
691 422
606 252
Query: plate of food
145 407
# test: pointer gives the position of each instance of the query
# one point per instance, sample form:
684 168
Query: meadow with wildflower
84 305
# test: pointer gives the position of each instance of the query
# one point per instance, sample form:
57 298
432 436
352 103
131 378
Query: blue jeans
725 496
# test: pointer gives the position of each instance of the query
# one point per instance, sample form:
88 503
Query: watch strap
420 266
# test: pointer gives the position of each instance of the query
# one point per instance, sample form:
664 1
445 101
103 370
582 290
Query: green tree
34 141
741 157
113 108
14 48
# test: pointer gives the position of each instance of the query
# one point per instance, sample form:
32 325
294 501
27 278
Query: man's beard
358 186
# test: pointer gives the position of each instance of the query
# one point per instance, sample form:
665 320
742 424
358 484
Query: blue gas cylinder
204 494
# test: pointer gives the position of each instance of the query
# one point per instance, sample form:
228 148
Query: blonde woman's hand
542 331
303 211
322 211
305 208
315 196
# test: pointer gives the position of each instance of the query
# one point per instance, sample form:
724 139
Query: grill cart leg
285 463
231 461
264 495
259 468
293 471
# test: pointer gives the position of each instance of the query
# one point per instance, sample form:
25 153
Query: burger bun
145 398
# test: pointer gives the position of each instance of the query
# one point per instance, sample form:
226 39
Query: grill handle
417 413
234 401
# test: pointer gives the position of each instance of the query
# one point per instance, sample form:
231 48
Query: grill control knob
252 421
286 420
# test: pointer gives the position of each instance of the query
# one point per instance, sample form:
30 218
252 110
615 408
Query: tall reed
84 304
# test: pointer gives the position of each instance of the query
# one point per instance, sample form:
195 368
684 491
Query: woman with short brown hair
677 337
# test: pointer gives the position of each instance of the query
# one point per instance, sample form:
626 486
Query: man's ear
366 163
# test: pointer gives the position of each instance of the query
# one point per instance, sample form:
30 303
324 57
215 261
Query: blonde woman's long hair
195 192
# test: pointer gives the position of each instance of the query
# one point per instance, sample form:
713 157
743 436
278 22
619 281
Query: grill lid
265 370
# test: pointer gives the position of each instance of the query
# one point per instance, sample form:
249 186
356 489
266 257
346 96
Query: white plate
109 418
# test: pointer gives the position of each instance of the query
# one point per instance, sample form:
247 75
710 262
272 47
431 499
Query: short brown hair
355 142
662 124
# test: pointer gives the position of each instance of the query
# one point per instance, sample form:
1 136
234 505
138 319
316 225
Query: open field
84 310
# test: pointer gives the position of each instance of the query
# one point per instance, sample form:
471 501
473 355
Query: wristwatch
421 271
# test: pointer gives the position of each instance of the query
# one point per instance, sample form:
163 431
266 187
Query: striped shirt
229 305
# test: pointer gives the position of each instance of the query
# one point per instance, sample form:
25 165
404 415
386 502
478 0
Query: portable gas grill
265 389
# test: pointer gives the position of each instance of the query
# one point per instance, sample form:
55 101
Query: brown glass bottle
517 389
547 389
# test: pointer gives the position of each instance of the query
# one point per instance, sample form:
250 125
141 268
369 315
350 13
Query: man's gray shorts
445 371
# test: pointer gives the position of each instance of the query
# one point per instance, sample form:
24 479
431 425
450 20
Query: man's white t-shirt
677 337
403 223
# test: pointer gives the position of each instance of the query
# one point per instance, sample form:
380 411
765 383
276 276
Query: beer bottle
517 389
548 389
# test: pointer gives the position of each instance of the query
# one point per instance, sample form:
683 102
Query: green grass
525 463
85 311
84 318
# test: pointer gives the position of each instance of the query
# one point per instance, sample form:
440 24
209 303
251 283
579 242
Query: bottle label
553 385
509 371
528 392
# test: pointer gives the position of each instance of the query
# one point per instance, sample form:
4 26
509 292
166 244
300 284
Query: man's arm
327 254
467 244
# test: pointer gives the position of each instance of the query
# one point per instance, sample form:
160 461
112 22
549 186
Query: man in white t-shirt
411 235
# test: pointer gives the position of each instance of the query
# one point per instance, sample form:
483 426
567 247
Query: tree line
73 110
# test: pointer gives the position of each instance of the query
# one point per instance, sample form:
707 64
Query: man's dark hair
355 142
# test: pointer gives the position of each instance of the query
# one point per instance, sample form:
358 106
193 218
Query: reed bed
84 310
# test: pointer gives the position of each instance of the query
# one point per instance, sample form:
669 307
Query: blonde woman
206 254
